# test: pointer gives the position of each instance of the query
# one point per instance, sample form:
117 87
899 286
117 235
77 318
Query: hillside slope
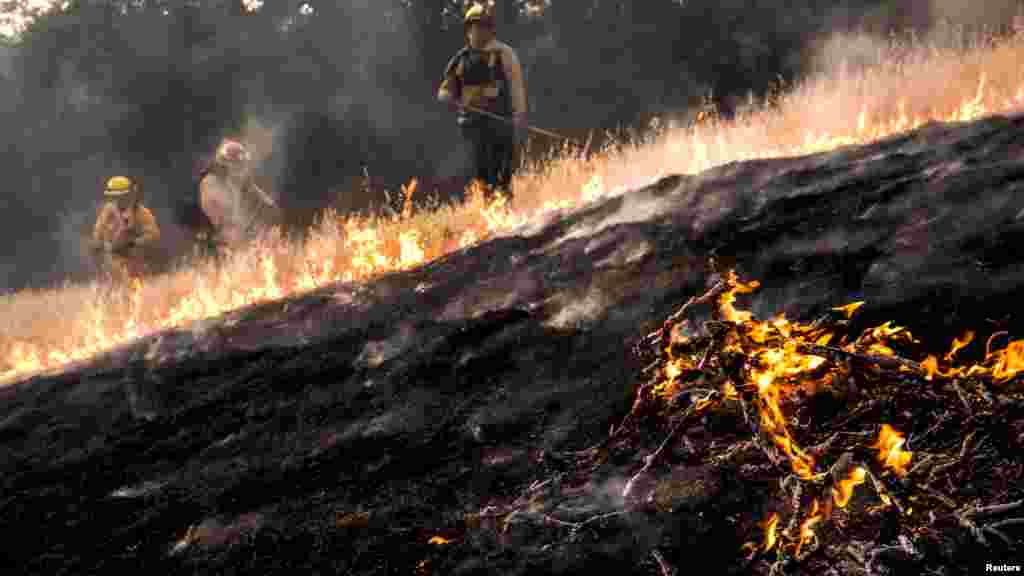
344 429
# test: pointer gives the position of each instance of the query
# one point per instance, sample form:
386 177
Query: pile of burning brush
770 371
849 488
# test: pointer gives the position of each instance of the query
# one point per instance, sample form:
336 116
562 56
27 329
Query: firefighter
126 231
486 75
231 200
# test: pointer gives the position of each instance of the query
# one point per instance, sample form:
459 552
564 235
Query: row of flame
355 249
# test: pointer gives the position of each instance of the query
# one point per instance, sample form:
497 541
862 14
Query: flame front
48 329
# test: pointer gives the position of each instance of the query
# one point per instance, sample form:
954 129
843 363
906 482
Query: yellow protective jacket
490 79
125 237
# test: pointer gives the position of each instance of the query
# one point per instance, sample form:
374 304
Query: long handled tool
541 131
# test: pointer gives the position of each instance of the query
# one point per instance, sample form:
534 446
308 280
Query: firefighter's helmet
478 13
118 186
232 152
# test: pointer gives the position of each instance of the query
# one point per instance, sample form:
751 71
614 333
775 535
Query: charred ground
471 399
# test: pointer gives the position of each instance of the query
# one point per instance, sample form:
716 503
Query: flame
1001 365
439 541
849 309
725 301
842 493
771 536
1008 362
75 323
807 535
959 344
890 450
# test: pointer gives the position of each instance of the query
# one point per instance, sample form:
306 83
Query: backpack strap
454 64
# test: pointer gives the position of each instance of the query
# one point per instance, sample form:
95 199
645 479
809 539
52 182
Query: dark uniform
489 79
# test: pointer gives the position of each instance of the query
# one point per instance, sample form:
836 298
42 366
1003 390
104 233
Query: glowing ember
438 540
890 450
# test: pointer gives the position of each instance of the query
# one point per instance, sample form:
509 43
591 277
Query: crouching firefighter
126 233
485 75
232 204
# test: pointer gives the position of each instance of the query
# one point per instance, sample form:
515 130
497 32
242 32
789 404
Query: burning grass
833 478
903 86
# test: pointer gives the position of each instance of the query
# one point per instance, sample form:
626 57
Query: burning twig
658 336
892 362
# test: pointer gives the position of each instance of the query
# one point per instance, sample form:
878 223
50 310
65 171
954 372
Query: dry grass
865 90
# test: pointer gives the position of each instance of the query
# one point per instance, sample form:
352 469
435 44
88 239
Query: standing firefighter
231 200
486 75
126 231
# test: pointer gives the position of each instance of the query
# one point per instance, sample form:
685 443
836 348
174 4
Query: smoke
150 90
993 14
316 89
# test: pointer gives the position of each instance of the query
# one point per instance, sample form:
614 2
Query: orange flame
354 249
890 450
959 344
1009 361
842 493
771 536
807 535
438 541
849 309
725 301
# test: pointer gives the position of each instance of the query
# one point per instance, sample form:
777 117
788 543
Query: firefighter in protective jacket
126 231
232 201
486 75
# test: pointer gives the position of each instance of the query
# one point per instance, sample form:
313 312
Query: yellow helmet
478 13
118 186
